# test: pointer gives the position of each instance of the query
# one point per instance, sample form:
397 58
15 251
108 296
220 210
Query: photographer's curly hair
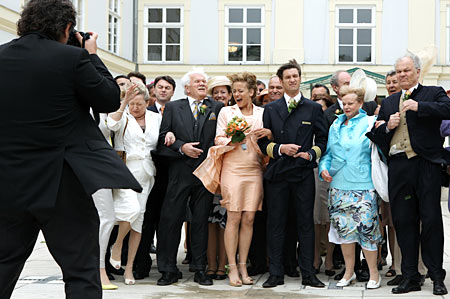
248 78
49 17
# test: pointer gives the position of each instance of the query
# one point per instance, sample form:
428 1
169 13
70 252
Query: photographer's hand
90 44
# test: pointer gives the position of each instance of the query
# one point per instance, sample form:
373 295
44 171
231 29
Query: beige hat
217 81
360 80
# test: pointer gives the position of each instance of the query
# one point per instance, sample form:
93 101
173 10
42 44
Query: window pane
172 53
154 53
346 36
345 15
235 53
364 53
173 35
173 15
154 36
235 36
253 15
254 36
364 36
364 16
236 15
254 53
345 53
155 15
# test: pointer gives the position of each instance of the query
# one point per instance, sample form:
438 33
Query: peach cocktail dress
241 177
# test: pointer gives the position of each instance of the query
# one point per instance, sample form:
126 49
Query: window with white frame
448 35
244 34
113 26
355 34
163 34
78 4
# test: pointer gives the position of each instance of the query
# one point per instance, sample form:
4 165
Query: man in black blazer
52 154
410 137
339 79
164 89
296 123
193 121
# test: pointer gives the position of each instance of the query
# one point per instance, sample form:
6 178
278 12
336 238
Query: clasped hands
292 151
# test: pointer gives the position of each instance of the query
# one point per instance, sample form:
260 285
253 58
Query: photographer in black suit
410 137
52 154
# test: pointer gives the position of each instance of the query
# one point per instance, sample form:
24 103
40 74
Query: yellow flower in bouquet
236 128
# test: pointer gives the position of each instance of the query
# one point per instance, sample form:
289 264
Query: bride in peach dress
237 170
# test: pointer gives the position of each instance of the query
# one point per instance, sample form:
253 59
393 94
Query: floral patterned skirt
354 218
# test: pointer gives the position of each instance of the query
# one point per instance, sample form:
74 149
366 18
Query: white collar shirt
340 103
411 89
296 98
192 103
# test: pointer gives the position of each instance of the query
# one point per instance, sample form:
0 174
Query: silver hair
413 57
334 80
142 89
186 80
390 73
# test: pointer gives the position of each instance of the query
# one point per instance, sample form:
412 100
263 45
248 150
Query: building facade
169 37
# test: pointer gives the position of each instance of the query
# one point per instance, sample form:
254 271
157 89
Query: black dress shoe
329 272
439 288
168 278
292 273
406 286
252 270
422 280
221 275
312 281
273 281
202 278
362 275
340 275
110 276
138 275
395 281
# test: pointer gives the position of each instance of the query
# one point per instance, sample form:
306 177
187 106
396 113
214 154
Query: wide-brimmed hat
217 81
360 80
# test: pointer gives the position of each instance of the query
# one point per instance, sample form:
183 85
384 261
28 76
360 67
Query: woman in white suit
136 130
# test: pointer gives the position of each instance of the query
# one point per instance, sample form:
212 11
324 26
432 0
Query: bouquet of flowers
236 128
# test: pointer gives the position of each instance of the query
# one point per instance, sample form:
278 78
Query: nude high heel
238 282
246 280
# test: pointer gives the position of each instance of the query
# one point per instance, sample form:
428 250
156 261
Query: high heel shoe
238 282
372 284
129 282
344 283
113 262
246 280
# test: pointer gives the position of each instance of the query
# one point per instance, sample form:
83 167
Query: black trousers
70 229
277 195
182 184
415 194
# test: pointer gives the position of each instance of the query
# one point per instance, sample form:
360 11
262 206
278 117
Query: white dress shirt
296 98
192 103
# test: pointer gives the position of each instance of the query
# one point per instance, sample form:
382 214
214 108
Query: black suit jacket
303 126
153 108
178 119
330 113
423 125
47 90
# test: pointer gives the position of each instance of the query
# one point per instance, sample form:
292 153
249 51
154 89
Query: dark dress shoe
187 259
406 286
168 278
312 281
138 275
152 248
362 275
252 270
329 272
422 280
439 288
202 278
110 276
395 281
340 275
273 281
292 273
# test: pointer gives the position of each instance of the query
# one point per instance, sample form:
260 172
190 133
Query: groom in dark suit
193 121
52 154
296 124
410 137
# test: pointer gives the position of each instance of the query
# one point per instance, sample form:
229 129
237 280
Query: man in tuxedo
164 89
339 79
296 123
410 137
193 121
52 154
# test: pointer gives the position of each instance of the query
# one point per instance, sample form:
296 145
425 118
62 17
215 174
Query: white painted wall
6 37
437 31
316 31
127 30
96 19
394 30
203 38
12 4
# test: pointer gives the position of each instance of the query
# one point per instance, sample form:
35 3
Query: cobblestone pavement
41 279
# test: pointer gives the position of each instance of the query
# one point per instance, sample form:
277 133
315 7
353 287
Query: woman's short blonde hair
143 91
248 78
359 92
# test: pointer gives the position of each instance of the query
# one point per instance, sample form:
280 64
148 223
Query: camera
73 41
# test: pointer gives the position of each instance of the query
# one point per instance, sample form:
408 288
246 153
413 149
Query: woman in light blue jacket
352 203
